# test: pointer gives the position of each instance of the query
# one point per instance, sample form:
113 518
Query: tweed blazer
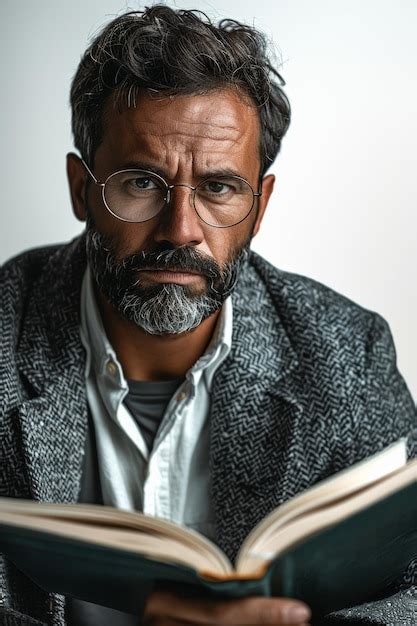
310 387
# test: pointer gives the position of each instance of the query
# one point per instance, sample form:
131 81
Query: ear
77 185
267 188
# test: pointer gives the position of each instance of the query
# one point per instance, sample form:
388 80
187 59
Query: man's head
168 92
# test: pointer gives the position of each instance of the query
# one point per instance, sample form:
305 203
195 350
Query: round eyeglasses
135 195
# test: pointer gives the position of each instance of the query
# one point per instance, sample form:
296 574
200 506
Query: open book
359 522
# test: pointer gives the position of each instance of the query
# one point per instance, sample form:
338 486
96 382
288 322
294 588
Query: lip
170 276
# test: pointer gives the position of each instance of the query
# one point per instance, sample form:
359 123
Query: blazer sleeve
389 401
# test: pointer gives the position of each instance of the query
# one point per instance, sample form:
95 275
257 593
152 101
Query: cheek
224 243
126 239
135 238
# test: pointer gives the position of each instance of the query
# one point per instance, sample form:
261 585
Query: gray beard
165 309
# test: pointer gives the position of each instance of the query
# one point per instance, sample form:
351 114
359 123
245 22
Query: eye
144 183
217 187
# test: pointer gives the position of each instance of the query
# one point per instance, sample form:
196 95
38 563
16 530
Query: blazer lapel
256 417
51 360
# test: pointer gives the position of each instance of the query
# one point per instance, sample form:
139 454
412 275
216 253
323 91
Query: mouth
179 276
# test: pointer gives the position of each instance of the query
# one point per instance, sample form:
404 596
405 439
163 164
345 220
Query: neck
153 357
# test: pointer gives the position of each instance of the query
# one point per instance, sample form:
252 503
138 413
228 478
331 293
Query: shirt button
111 368
181 396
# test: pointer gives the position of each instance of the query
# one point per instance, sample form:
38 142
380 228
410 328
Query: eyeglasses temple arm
91 173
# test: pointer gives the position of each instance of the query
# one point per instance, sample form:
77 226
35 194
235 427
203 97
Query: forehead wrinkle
180 152
216 133
190 134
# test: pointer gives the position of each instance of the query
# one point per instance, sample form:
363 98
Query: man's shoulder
305 305
29 262
20 274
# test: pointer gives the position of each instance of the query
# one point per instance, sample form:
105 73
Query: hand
165 608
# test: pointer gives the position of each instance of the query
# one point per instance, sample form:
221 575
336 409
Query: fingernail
296 613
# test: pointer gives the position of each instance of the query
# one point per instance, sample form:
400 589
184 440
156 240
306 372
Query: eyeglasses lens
137 196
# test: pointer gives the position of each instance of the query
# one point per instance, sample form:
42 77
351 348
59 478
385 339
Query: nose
179 224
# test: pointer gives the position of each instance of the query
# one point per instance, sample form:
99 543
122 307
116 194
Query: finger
166 621
242 612
258 610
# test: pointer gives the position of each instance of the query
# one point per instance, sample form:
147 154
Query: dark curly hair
172 52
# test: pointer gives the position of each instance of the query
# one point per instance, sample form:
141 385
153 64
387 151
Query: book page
285 537
340 485
128 530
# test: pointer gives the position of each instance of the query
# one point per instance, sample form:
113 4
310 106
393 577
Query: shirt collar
102 359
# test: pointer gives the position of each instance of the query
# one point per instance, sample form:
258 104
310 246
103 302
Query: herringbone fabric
310 386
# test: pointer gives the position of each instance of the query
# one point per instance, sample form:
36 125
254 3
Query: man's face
184 139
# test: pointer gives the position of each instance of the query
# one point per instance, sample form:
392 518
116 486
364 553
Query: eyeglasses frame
167 199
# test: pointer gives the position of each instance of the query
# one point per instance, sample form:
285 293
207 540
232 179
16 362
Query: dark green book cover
347 564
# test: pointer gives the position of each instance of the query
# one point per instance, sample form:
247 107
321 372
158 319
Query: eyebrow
143 165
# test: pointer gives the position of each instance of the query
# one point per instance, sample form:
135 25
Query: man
156 363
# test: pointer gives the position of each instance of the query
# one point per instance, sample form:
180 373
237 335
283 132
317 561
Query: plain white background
344 210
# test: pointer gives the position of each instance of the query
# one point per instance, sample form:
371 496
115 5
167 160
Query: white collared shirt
171 482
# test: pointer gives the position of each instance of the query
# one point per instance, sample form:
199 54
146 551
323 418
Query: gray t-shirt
147 402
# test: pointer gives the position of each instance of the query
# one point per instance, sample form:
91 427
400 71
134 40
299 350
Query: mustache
185 258
161 309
